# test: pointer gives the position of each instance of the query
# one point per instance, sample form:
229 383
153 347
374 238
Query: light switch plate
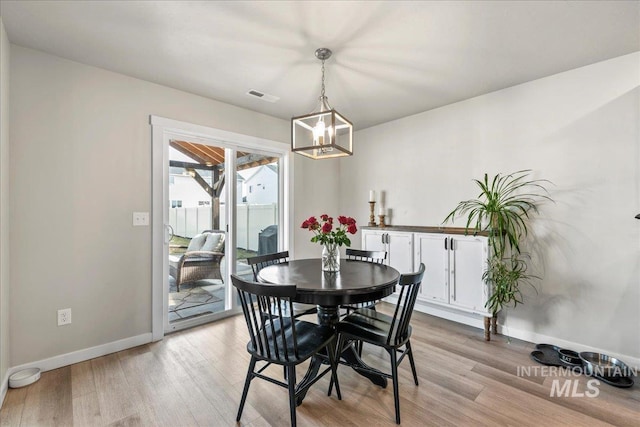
140 218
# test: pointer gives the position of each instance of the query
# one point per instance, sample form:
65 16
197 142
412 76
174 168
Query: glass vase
330 258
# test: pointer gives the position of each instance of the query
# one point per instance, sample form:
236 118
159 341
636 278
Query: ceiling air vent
263 96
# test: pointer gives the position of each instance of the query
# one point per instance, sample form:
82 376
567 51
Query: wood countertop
427 229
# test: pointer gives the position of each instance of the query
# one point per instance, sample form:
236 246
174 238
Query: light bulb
318 133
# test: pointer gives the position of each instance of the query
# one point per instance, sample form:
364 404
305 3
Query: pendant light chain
322 91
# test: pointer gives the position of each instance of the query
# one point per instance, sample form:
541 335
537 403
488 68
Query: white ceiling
391 58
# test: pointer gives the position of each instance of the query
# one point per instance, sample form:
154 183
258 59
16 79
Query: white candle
372 196
381 211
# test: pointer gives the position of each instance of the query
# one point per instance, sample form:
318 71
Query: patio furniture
268 240
202 259
390 333
281 340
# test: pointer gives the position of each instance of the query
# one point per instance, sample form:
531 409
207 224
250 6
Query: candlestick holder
382 224
372 218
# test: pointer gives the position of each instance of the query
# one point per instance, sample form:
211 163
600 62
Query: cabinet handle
451 245
445 243
387 238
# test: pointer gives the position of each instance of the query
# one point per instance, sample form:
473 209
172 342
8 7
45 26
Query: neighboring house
185 192
261 187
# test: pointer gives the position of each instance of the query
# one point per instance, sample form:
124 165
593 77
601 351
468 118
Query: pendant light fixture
325 133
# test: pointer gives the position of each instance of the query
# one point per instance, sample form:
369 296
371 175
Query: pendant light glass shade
324 134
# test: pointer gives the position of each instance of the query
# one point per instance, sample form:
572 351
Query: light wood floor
195 378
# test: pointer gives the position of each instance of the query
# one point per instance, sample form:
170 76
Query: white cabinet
454 267
397 244
452 286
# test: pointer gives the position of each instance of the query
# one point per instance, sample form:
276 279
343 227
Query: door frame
164 129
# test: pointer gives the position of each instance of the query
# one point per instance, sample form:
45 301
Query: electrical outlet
64 316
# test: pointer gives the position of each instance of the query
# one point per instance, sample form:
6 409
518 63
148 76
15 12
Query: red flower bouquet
328 233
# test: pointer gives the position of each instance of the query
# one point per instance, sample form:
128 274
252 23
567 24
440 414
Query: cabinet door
373 241
400 251
467 263
432 250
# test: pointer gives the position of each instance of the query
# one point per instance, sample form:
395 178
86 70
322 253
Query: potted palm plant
502 209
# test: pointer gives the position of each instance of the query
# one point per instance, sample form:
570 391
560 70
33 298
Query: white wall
317 189
4 208
579 129
80 165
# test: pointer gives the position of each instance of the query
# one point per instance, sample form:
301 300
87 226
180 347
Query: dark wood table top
356 281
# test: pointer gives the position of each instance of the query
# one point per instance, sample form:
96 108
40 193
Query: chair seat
310 337
370 326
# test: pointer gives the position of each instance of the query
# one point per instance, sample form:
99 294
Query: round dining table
357 281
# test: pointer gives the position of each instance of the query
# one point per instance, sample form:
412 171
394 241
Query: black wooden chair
282 340
259 262
389 332
375 257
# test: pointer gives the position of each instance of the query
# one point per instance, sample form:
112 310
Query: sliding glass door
197 221
222 202
257 208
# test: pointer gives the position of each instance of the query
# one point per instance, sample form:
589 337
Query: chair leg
411 361
334 369
291 380
337 353
247 382
394 374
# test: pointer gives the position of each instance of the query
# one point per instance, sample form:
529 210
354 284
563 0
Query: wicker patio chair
202 259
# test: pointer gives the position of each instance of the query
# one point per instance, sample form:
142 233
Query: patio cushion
214 242
197 242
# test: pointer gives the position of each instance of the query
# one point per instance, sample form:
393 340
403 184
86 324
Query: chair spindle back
259 262
376 257
409 287
272 332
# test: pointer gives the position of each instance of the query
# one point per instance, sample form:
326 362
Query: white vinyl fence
251 220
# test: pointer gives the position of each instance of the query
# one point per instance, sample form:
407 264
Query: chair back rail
377 257
259 262
409 287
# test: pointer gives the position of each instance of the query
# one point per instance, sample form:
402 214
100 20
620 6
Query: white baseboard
477 321
632 362
470 319
67 359
3 388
